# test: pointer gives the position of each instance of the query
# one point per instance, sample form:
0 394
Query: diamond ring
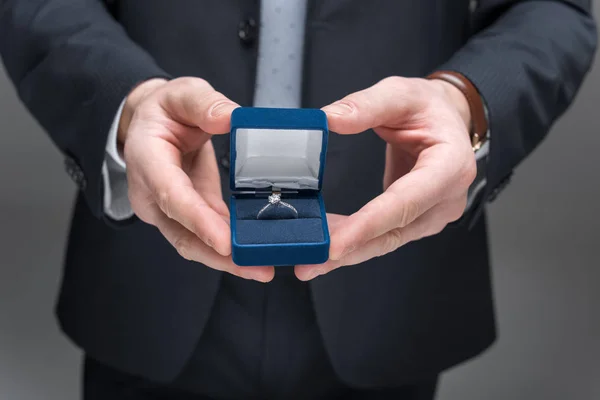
272 210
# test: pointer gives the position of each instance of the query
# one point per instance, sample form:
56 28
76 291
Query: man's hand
430 165
172 172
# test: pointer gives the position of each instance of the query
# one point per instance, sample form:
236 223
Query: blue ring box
279 149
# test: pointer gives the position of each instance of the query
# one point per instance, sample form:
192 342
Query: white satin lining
282 158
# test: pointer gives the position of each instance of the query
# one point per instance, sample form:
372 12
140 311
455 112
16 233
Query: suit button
75 173
224 161
248 31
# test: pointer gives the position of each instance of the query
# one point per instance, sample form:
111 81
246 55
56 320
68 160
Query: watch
479 123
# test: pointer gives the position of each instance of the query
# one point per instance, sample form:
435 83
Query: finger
334 220
193 249
173 191
204 174
430 223
311 271
194 102
390 101
404 201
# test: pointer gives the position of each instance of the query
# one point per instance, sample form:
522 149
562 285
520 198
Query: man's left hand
430 165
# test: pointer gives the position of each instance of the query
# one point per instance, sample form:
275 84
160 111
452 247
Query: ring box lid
281 148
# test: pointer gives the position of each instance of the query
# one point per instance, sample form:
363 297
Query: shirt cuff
114 176
481 159
480 182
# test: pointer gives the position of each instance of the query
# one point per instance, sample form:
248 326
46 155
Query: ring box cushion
307 207
283 149
306 228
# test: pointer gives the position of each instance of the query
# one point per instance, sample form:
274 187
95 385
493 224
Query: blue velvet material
304 240
307 230
307 207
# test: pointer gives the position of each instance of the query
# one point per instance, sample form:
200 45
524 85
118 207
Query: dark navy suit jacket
130 301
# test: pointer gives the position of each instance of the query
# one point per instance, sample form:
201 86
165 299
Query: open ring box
278 149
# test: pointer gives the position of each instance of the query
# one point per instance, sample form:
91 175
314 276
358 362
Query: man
165 313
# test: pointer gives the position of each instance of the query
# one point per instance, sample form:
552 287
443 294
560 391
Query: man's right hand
172 172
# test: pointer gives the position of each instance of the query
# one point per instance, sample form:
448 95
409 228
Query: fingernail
220 108
316 273
210 243
255 275
339 108
260 278
249 275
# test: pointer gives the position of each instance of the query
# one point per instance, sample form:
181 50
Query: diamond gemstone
274 198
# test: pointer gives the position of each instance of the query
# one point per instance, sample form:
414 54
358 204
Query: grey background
544 235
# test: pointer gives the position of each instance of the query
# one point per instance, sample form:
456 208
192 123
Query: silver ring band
275 201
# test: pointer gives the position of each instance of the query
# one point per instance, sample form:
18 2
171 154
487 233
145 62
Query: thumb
387 103
194 102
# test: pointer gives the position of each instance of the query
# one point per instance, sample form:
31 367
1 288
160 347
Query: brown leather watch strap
479 124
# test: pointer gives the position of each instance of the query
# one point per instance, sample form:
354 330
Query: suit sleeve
72 65
528 60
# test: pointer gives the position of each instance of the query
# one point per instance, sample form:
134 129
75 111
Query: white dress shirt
114 176
278 84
